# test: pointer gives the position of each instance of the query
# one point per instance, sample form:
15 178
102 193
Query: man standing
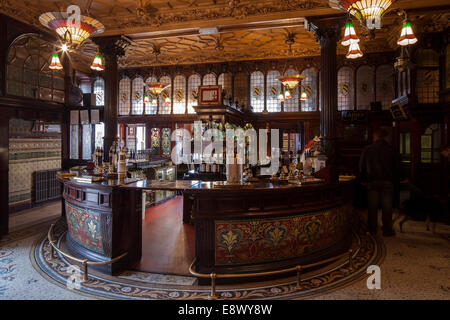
379 167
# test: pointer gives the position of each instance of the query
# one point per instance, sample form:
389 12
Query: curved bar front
250 229
268 227
104 222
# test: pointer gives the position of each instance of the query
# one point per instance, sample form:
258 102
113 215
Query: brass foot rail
84 262
298 269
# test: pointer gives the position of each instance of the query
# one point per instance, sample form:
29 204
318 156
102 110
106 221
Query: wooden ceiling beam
280 24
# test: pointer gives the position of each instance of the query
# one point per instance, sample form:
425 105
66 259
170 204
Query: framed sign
209 95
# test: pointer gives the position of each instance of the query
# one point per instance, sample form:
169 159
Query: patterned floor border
367 251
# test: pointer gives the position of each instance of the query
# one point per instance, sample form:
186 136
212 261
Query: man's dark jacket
379 162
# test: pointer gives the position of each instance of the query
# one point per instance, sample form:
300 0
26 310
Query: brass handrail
85 262
298 268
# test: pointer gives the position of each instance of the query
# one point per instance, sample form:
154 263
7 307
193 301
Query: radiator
46 187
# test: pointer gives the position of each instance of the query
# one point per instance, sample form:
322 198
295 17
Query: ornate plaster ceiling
247 29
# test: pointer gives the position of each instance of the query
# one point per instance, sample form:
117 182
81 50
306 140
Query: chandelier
291 81
369 12
157 87
72 33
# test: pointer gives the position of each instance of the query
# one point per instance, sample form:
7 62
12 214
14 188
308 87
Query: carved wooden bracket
112 47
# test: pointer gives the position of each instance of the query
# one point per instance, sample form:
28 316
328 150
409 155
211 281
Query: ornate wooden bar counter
104 222
254 228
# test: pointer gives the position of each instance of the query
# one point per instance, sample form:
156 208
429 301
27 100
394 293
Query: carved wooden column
111 49
327 31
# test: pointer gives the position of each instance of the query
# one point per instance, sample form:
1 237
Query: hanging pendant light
97 64
280 97
167 100
304 96
154 102
287 94
146 98
55 64
407 36
354 51
349 35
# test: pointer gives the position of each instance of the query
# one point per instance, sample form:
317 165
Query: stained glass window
241 90
165 142
74 142
179 91
99 90
140 138
138 96
165 99
152 106
87 146
364 87
385 85
124 96
155 147
427 85
430 144
291 105
193 82
99 134
309 85
209 79
28 72
225 81
257 91
272 91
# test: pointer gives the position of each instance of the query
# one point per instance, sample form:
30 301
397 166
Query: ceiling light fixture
354 51
349 35
304 96
368 12
290 81
72 33
97 64
55 64
407 36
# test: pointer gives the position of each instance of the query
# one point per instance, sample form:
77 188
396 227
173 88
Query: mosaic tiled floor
134 285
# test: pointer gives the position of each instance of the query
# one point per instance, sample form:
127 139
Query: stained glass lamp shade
304 96
55 64
365 10
291 81
354 51
97 64
287 94
68 31
349 35
281 97
407 36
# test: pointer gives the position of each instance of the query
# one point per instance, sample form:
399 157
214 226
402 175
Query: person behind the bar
378 166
